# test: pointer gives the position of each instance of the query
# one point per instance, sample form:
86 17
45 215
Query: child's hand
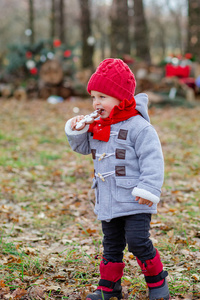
144 201
74 122
79 122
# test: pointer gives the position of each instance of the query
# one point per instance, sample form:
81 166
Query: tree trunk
119 35
141 32
52 20
177 19
86 35
62 21
101 12
162 41
31 22
194 28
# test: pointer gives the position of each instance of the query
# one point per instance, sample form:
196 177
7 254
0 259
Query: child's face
104 102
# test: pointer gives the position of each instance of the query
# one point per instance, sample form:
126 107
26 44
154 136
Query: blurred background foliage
80 33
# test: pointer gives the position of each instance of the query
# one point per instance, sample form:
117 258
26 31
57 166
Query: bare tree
101 12
31 22
194 28
62 21
177 16
141 33
52 19
57 20
86 35
157 30
119 35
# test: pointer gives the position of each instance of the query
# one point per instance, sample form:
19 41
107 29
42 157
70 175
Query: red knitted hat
114 78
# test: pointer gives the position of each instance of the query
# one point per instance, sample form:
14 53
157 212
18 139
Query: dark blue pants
132 230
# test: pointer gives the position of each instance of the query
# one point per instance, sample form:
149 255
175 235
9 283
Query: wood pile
20 94
150 80
6 90
161 89
52 82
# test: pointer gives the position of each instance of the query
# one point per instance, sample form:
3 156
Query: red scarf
101 127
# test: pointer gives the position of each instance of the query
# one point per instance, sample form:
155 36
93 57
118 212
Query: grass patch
18 264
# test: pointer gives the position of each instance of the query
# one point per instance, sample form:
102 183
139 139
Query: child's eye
102 97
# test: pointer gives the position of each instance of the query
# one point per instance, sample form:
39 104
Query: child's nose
96 101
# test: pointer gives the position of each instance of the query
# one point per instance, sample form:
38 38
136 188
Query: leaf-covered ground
49 233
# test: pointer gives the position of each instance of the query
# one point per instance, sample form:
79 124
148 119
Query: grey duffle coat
130 164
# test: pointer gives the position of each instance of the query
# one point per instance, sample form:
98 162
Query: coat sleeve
78 140
151 164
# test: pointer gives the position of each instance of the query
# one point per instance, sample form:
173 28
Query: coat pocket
94 184
124 187
95 187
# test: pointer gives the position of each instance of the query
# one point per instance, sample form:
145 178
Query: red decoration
178 71
128 59
57 43
67 53
33 71
29 54
188 55
189 81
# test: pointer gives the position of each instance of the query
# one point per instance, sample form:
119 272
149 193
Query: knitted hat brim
108 87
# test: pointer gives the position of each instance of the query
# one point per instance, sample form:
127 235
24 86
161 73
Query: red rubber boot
110 282
155 278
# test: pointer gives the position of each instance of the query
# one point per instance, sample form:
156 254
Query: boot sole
106 296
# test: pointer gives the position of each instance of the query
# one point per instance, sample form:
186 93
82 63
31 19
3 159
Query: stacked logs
52 82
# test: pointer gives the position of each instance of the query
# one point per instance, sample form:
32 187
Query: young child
128 176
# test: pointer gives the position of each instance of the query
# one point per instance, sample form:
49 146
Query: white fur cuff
136 192
69 131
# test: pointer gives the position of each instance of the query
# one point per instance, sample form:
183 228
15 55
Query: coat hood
142 105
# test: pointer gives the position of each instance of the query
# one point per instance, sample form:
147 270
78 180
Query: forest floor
49 233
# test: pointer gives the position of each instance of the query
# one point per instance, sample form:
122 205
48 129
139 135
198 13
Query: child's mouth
100 111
